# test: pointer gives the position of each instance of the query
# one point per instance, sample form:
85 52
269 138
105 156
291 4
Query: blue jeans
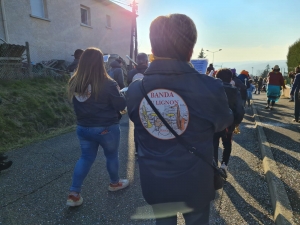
90 138
297 105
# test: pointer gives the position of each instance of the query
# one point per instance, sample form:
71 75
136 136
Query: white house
56 28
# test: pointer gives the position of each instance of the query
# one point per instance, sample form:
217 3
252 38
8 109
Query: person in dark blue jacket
73 66
295 91
97 105
142 65
195 105
236 105
244 78
116 72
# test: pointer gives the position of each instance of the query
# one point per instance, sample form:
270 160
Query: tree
201 54
293 56
265 71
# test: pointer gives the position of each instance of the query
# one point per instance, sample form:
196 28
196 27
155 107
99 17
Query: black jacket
116 73
196 106
73 66
235 104
241 86
139 69
101 112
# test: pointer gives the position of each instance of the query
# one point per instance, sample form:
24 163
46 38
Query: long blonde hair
90 71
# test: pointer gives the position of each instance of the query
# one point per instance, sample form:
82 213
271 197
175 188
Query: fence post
28 59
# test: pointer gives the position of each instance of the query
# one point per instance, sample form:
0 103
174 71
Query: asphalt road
284 138
34 190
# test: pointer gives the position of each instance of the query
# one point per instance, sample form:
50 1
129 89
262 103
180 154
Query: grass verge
33 109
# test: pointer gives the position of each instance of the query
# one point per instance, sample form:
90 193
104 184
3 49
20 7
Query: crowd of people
169 103
163 160
199 108
273 85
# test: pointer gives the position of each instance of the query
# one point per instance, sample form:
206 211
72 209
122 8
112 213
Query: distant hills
258 66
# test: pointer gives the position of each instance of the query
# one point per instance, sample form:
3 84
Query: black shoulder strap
190 148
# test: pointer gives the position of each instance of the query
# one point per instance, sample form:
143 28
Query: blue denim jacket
196 106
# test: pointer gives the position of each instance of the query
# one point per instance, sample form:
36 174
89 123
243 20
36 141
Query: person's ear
190 55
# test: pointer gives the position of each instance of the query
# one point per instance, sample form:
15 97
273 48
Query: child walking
250 91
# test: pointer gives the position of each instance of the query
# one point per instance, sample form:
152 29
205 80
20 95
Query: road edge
283 214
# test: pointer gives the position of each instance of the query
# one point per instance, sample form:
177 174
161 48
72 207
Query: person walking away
116 72
250 91
292 78
274 83
244 78
195 105
97 103
236 105
142 65
73 66
4 164
210 68
259 85
295 91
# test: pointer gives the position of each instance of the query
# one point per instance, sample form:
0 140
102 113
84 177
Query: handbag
219 175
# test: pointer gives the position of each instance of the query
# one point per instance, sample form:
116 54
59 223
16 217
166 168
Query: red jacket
275 79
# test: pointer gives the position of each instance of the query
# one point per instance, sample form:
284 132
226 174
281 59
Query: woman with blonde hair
97 103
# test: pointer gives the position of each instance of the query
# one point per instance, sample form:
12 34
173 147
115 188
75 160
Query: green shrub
33 109
293 56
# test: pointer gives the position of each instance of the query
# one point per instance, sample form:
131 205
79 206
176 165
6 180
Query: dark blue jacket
296 84
235 103
168 172
139 69
116 73
242 78
73 66
105 111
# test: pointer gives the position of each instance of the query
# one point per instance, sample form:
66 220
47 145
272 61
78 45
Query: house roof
109 2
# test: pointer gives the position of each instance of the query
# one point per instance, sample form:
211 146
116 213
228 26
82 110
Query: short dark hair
250 81
225 75
78 53
141 58
173 36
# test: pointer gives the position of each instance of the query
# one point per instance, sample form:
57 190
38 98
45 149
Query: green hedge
33 109
293 56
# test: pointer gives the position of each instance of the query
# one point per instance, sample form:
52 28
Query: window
85 15
38 8
108 22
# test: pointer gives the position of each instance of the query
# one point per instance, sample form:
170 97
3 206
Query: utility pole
133 43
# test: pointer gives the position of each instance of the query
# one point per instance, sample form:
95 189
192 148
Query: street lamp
214 53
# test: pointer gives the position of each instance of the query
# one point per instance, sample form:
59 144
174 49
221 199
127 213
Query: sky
245 30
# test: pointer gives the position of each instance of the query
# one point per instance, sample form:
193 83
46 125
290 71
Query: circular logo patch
173 109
